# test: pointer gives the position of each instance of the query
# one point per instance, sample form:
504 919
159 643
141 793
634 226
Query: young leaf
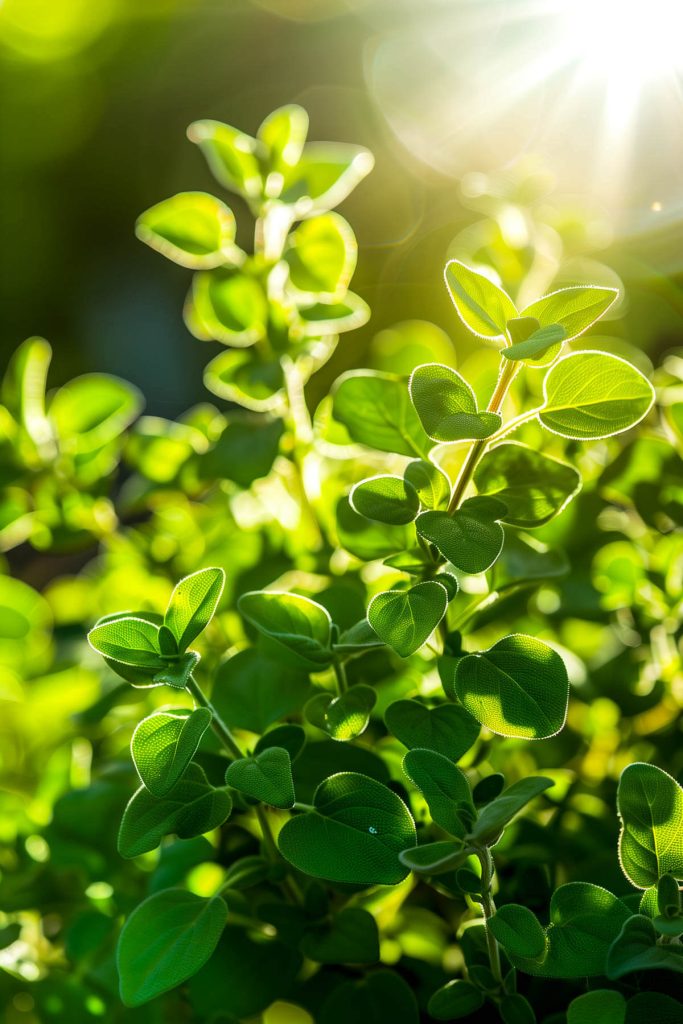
575 309
351 937
518 930
668 895
193 229
266 777
405 619
92 411
483 307
324 175
166 940
636 949
446 405
301 625
191 808
344 314
603 1005
650 805
164 744
455 1000
534 487
386 499
376 410
447 729
355 834
589 395
192 605
519 687
344 717
129 640
283 133
431 484
227 306
545 341
499 812
444 787
321 255
232 156
240 375
470 538
434 858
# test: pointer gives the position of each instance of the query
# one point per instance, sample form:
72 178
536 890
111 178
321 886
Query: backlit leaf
298 623
193 603
192 228
446 405
470 538
533 486
483 307
405 619
650 805
164 744
386 499
575 309
376 410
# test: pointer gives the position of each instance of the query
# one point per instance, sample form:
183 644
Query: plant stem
340 673
217 723
267 834
489 908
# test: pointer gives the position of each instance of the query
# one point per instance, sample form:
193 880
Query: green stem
217 723
489 908
340 673
269 843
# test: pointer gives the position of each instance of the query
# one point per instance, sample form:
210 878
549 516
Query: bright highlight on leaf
650 804
483 307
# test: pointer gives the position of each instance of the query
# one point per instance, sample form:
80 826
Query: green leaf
355 834
447 729
266 777
193 603
515 1009
499 812
321 256
545 341
434 858
519 687
589 395
534 487
455 1000
344 717
129 640
345 314
252 691
518 930
232 156
93 410
584 921
359 637
164 744
636 949
368 540
668 894
351 937
376 410
239 375
653 1007
165 941
601 1006
291 737
177 671
379 997
431 483
405 619
301 625
23 389
575 309
193 229
470 538
283 133
483 307
386 499
191 808
446 405
444 787
324 176
226 306
650 805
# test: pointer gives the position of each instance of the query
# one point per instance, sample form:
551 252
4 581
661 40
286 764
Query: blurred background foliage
96 102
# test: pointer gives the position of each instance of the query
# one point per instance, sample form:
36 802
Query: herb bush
342 633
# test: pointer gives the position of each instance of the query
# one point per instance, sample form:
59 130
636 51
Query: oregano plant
350 668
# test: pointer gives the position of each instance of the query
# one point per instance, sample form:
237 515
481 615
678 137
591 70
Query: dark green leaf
405 619
455 1000
386 499
301 625
496 815
533 487
518 930
291 737
379 997
446 405
470 538
434 858
351 937
266 777
252 690
431 483
444 787
636 949
164 744
367 540
601 1006
448 729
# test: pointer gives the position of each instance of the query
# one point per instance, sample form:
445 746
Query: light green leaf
193 603
226 306
163 745
589 395
266 777
455 1000
191 808
386 499
355 834
351 937
499 812
345 314
636 949
448 729
446 405
93 410
405 619
575 309
601 1006
283 133
431 483
534 487
470 538
518 930
519 687
166 939
483 307
650 805
321 256
23 388
301 625
232 156
239 375
376 410
129 640
324 176
193 229
537 348
444 787
344 717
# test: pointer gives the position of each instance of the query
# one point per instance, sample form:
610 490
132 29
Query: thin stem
489 908
217 723
272 851
340 673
